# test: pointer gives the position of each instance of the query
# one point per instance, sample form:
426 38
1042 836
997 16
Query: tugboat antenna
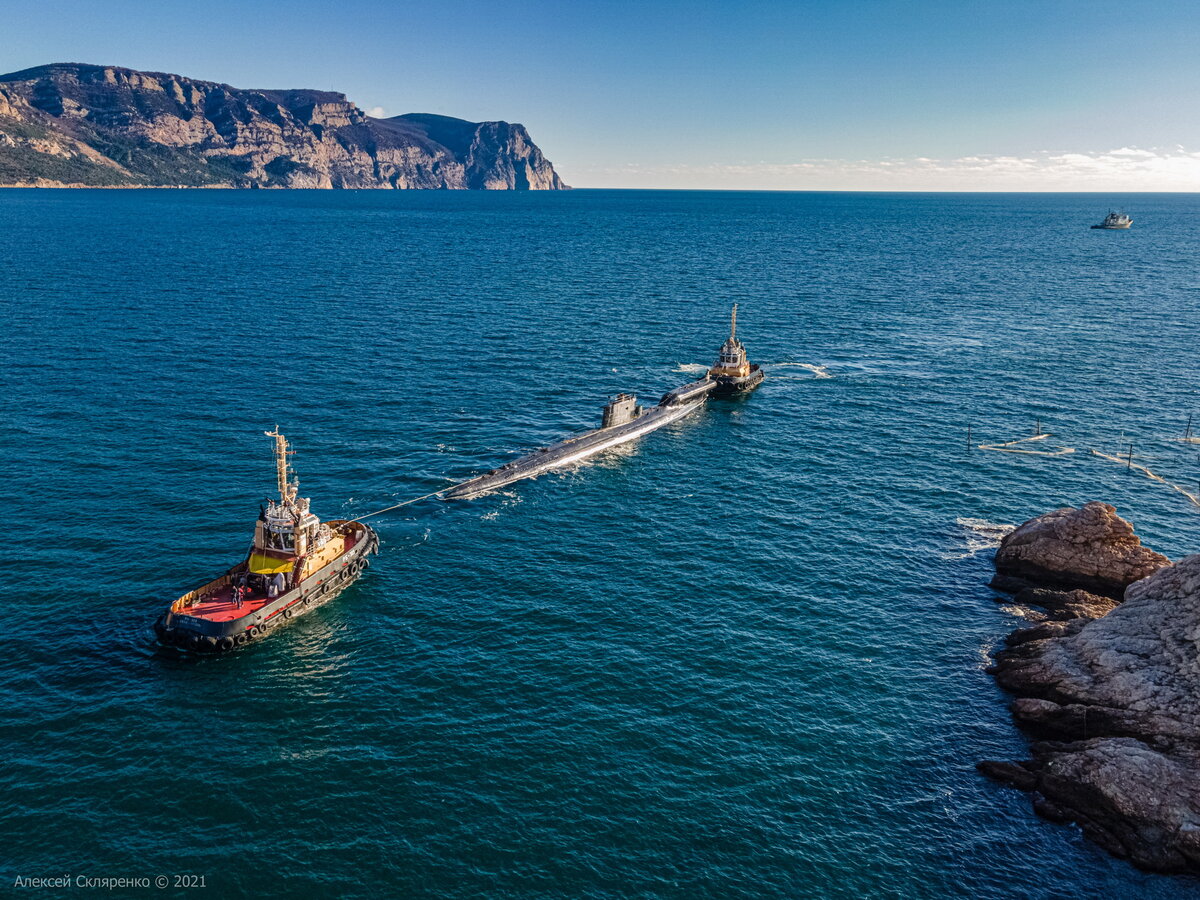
281 464
733 325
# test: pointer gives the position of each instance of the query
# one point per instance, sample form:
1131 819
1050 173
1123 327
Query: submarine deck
675 406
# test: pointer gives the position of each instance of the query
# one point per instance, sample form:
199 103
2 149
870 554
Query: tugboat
1115 220
732 373
295 562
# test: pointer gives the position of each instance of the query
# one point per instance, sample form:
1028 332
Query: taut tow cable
397 506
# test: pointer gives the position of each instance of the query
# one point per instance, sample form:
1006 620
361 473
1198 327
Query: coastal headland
78 125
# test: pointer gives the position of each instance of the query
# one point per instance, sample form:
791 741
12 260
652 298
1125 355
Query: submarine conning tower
621 409
732 372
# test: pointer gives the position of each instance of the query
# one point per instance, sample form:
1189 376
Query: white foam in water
980 534
818 371
691 368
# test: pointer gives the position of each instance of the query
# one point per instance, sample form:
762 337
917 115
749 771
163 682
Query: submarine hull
575 449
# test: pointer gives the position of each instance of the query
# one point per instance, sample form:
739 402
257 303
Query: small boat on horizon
1115 220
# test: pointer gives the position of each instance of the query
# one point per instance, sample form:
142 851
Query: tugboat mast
287 491
733 324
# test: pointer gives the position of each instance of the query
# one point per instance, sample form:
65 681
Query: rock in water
73 124
1090 548
1117 698
1066 605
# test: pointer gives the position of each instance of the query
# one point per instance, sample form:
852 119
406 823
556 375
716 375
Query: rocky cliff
1109 685
1090 548
74 124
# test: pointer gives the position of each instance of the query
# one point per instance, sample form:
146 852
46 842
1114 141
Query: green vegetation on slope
23 164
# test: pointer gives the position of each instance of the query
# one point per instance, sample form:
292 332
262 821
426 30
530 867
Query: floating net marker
1130 464
1010 446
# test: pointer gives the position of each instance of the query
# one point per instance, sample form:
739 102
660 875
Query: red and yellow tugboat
295 563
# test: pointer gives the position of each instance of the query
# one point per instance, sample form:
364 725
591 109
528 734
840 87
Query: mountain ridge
81 124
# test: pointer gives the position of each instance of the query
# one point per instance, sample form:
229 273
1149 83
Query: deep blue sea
743 658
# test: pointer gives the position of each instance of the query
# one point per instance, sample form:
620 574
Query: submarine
623 420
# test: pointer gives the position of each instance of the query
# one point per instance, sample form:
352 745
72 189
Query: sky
834 95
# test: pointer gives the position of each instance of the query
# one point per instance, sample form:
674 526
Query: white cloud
1122 169
377 112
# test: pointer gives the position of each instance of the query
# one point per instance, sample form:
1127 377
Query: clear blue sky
699 94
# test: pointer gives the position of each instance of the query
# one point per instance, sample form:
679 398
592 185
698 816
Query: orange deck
218 605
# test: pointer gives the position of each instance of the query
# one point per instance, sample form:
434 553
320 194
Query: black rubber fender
210 643
226 643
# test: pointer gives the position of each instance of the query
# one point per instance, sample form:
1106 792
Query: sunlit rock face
1108 687
102 125
1090 548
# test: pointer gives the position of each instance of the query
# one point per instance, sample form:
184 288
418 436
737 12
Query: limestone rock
1119 696
103 125
1090 548
1066 605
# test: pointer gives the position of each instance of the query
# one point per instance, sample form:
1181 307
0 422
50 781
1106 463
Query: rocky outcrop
1090 548
1111 692
102 125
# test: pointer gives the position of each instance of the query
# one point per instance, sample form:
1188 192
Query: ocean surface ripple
743 658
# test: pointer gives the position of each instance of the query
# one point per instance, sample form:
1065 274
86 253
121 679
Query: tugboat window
277 541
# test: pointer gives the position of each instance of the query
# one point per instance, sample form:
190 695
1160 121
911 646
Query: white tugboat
1115 220
295 562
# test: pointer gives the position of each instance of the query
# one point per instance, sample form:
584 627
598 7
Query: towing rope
398 505
1007 446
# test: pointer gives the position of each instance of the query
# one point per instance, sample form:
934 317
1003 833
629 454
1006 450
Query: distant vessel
732 373
294 563
623 421
1115 220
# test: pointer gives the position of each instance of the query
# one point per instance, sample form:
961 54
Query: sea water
742 658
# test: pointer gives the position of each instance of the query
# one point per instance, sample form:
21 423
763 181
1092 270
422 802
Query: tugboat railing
192 597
